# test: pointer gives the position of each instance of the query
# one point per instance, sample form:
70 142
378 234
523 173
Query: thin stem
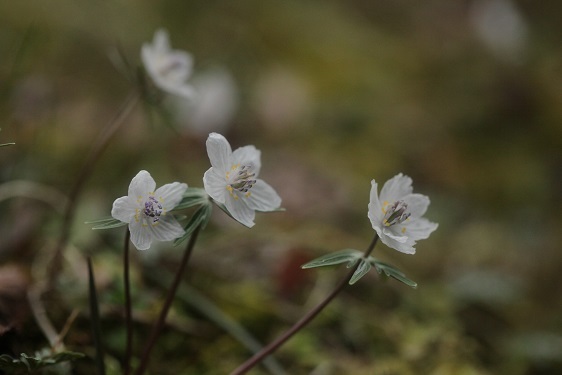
95 314
159 324
128 306
97 150
66 328
258 357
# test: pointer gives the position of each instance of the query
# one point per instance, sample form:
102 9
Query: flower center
172 67
396 214
152 209
241 178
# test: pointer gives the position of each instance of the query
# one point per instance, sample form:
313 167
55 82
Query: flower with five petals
232 180
396 215
147 210
169 69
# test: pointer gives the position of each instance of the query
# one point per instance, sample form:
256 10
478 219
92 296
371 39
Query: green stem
128 306
159 324
258 357
97 150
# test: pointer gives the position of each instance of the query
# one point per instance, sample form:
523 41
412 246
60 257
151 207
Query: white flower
169 69
214 106
396 215
146 210
232 180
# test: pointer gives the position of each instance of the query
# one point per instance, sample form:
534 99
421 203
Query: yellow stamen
383 208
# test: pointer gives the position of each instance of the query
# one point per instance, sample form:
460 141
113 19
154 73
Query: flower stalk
97 150
128 306
159 324
261 355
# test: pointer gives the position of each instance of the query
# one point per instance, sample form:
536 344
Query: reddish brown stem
262 354
159 324
97 150
128 306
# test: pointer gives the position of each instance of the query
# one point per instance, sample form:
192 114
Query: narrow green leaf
196 300
7 144
391 271
193 197
200 217
348 256
106 223
364 267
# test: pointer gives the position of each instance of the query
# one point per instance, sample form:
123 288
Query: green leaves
106 223
390 271
362 269
26 363
351 257
348 256
200 218
6 144
193 197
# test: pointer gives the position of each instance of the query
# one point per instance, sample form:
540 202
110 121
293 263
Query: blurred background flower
465 97
212 109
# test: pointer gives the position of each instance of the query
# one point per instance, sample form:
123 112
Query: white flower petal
263 197
227 189
248 155
167 229
173 69
406 247
420 229
169 69
378 230
215 185
240 211
161 41
396 188
219 152
170 195
417 204
375 212
183 63
185 91
396 237
404 231
141 236
124 209
141 185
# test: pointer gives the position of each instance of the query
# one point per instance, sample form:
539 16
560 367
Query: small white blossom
147 210
232 180
169 69
396 215
214 106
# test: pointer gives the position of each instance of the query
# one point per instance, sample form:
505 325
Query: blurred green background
463 96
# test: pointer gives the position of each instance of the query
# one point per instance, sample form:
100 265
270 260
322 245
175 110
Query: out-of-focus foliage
463 96
28 364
